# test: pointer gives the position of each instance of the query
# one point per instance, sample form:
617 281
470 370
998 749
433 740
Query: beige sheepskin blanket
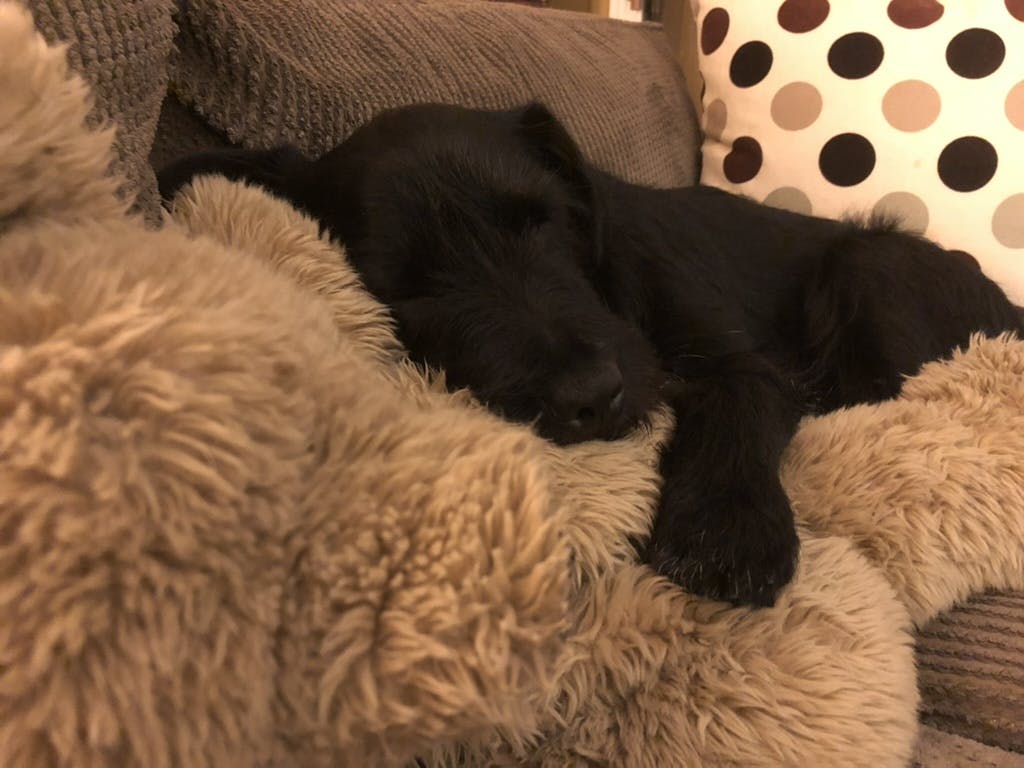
236 529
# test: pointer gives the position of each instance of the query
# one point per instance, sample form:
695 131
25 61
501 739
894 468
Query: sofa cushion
971 670
309 72
912 109
121 48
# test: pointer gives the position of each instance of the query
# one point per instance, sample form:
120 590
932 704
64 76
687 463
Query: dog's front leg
724 527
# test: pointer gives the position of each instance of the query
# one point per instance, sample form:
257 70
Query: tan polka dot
796 106
1008 222
714 119
911 105
789 199
1015 106
907 208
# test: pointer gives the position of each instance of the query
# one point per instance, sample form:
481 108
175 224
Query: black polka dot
744 161
975 53
967 164
713 30
750 64
855 55
847 159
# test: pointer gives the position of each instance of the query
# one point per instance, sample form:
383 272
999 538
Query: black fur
567 298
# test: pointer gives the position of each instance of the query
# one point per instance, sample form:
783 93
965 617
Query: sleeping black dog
569 299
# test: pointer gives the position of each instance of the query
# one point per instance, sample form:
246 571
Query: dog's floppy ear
558 151
551 140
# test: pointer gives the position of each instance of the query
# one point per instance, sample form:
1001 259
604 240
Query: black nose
588 399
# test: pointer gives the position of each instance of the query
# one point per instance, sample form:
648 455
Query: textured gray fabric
937 749
121 47
180 132
971 670
310 72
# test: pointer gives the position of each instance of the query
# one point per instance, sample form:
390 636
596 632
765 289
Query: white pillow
912 107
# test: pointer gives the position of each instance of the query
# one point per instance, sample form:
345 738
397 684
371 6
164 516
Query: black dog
566 298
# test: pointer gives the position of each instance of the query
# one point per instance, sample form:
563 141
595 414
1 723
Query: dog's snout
589 399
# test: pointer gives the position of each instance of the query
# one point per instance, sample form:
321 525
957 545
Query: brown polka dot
744 161
906 208
715 117
796 106
855 55
1008 222
847 159
975 53
1015 106
802 15
750 64
713 30
915 14
1016 9
912 105
790 199
967 164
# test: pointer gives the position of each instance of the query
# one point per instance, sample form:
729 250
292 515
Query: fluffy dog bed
236 529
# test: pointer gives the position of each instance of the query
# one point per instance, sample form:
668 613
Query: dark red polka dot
847 159
744 161
855 55
967 164
915 14
750 64
975 53
1016 9
802 15
713 30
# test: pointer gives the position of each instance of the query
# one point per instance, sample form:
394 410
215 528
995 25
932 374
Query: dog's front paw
742 550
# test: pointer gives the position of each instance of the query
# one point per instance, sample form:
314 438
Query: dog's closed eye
520 212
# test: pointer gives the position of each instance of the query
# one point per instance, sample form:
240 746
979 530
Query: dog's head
481 231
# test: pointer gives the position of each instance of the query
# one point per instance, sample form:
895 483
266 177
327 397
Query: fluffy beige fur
237 529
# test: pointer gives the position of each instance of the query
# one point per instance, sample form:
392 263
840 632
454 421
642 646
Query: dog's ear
554 147
552 142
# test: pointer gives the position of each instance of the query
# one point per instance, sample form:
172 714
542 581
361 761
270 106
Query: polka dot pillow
913 108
